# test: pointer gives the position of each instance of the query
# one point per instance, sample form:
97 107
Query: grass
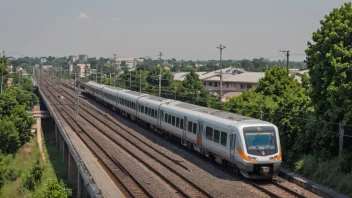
327 173
24 159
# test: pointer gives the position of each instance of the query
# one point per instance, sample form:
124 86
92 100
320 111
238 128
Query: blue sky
184 29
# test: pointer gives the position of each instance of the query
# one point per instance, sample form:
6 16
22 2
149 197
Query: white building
42 60
84 70
19 69
70 69
10 68
130 63
72 59
47 67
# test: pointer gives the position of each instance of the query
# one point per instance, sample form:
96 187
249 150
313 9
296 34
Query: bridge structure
40 114
86 175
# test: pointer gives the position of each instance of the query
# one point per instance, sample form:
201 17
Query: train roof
214 112
156 98
115 88
94 84
134 93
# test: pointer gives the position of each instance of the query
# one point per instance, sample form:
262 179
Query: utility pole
2 76
160 55
221 48
114 70
60 76
130 82
19 78
96 74
140 81
288 58
2 69
101 73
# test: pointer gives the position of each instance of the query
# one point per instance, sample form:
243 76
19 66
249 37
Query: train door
232 145
200 132
185 121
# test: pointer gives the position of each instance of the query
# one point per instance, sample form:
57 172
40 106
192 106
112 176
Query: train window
209 133
142 109
181 124
165 117
173 120
152 112
190 126
223 138
194 128
155 114
162 115
178 122
216 136
169 119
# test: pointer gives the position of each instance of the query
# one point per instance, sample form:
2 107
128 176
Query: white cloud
82 16
103 22
115 19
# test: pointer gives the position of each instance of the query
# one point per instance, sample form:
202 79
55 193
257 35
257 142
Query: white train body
249 145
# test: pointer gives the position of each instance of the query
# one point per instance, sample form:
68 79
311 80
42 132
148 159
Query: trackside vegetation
23 173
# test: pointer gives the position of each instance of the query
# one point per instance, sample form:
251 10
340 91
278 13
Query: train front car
259 151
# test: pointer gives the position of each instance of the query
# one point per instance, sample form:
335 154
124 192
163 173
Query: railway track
159 166
271 188
130 185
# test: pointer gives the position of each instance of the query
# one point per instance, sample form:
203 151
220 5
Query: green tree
193 91
329 60
166 77
9 137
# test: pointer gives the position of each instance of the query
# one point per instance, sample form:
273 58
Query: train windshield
260 140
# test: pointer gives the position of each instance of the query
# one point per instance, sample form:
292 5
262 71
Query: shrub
54 189
32 177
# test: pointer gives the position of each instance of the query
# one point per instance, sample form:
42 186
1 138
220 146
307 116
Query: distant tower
82 58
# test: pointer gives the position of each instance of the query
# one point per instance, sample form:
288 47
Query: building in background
84 70
43 60
298 74
18 69
130 63
82 58
9 82
47 67
234 81
72 59
70 69
10 68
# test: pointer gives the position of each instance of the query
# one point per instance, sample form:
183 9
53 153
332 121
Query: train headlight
252 158
274 157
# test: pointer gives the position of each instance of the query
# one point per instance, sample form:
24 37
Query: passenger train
249 146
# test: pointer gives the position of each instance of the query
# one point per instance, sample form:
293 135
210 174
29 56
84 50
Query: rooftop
248 77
